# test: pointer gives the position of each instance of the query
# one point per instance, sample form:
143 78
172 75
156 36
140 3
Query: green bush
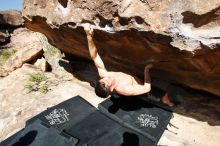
5 55
37 82
37 78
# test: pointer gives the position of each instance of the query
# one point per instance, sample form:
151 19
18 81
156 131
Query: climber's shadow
134 103
82 69
127 104
130 139
27 139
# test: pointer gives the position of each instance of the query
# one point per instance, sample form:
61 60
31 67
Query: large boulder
10 18
180 37
25 46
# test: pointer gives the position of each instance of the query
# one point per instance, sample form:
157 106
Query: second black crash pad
138 115
99 130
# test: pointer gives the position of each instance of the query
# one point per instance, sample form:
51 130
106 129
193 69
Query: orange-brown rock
181 38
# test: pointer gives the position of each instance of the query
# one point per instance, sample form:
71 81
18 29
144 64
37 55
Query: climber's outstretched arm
93 51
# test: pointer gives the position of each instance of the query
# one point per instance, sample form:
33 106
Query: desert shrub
5 54
37 82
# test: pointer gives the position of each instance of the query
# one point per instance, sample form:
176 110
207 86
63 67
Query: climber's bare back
124 78
123 82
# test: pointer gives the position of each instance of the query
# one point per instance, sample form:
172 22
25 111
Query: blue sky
10 4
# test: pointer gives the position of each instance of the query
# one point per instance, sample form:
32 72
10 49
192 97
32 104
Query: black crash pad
138 115
38 134
66 113
78 123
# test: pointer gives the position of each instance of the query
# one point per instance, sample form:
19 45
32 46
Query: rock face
10 18
26 47
20 44
180 37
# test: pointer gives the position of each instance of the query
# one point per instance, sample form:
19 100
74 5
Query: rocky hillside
180 37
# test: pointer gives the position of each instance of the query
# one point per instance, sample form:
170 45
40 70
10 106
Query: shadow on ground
196 104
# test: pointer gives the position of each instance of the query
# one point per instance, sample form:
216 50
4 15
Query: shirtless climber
119 82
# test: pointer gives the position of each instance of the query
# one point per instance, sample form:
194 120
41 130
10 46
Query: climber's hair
101 90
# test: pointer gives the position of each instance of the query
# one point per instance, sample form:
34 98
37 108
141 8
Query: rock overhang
131 34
